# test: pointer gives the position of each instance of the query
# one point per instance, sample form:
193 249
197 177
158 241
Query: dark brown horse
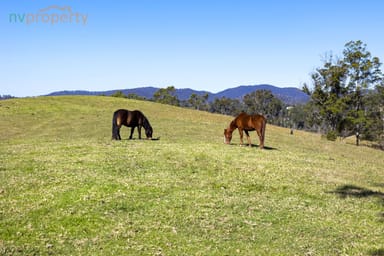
130 119
246 123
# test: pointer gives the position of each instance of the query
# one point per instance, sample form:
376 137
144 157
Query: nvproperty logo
58 15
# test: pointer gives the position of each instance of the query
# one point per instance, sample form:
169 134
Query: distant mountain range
289 95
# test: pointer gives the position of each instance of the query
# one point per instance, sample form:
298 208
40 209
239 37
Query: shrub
331 135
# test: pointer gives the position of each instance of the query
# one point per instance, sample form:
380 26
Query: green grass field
67 189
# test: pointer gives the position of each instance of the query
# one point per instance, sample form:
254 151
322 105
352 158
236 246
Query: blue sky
204 45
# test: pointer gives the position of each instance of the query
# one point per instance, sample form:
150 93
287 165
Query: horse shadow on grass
151 139
377 252
265 147
254 146
359 192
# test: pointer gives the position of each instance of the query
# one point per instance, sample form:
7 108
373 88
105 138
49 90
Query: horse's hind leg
116 133
260 139
248 139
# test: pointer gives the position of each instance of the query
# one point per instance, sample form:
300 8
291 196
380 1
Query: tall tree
297 116
166 96
263 102
119 94
363 72
328 93
226 106
340 87
374 108
199 102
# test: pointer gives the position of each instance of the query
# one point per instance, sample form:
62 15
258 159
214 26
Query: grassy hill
67 189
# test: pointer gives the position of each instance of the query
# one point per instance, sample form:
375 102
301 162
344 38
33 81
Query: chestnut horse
130 119
246 123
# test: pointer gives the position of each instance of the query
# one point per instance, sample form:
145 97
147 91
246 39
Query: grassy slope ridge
67 188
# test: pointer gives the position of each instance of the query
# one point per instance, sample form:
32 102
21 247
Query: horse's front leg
241 136
132 130
261 140
248 139
139 130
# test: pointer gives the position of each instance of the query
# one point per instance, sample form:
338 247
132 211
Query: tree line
6 97
346 98
260 101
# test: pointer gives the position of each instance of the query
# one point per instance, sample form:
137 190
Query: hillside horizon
289 95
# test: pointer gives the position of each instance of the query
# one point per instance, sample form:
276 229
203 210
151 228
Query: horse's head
227 136
147 127
148 133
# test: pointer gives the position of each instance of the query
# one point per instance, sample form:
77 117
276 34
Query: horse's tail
263 126
115 127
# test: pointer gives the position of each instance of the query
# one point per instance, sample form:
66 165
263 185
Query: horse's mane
146 123
233 125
